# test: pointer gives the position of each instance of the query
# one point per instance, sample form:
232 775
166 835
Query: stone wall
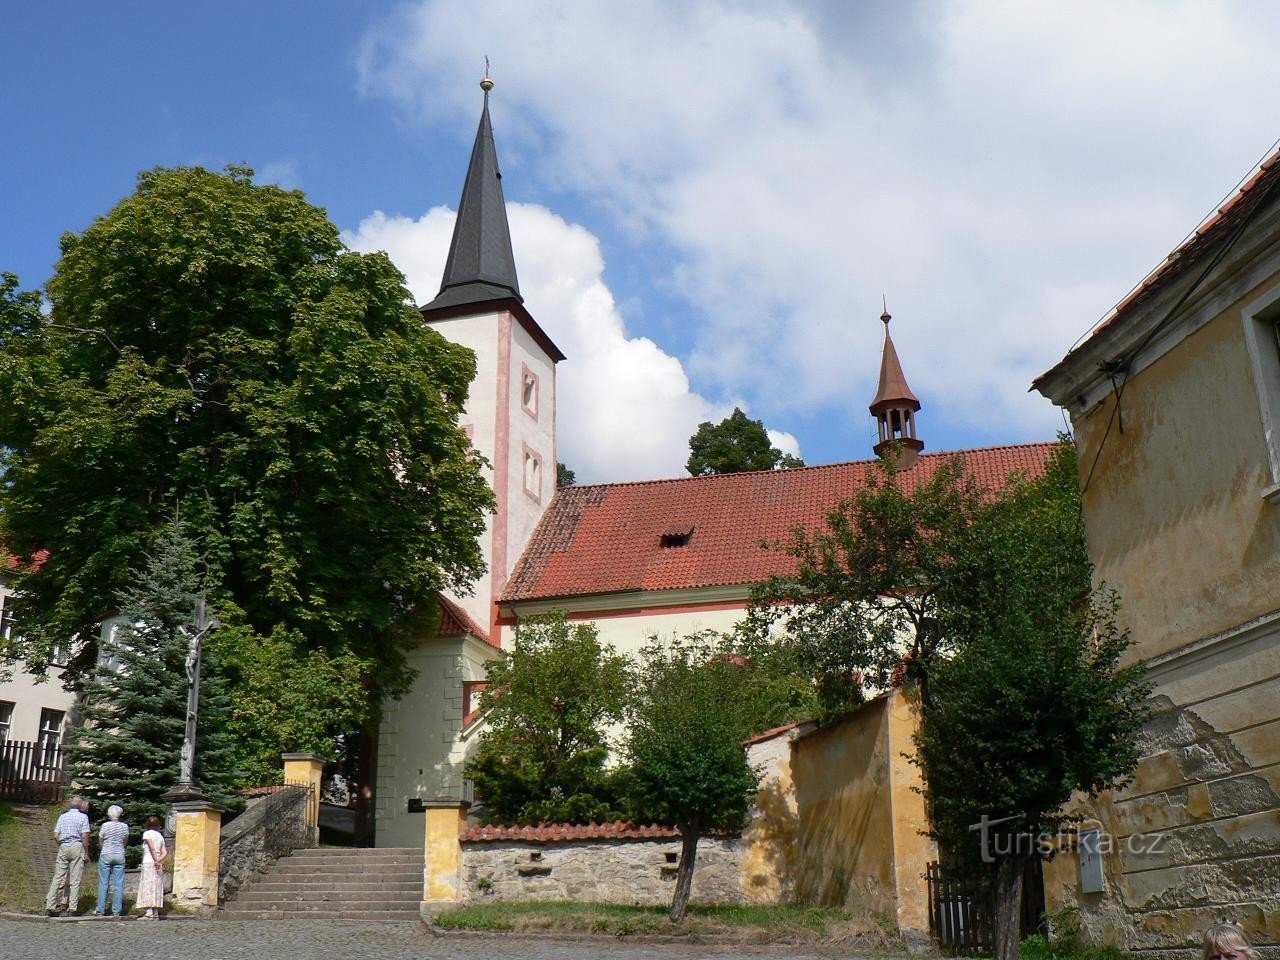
639 871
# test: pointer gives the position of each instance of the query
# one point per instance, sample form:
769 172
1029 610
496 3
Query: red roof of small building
551 832
455 621
609 538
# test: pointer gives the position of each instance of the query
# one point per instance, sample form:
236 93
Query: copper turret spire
895 406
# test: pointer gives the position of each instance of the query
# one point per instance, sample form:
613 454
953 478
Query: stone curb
710 940
85 918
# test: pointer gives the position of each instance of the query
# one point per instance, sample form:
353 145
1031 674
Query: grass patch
1067 942
754 924
15 872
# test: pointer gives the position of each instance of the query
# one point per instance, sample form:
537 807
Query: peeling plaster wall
1177 524
1196 835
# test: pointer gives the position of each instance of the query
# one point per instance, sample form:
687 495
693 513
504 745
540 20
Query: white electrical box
1091 862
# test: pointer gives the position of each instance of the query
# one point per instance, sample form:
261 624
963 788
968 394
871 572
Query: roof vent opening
675 537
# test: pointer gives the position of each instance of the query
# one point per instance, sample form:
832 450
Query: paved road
323 940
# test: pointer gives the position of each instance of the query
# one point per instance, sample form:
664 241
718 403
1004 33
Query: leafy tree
564 476
1033 705
212 347
874 592
693 702
548 703
136 702
289 698
734 445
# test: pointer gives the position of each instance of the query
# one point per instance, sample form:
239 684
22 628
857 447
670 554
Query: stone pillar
442 853
196 848
307 769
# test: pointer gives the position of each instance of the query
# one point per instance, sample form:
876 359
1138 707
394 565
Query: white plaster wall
29 696
480 334
421 746
628 633
538 433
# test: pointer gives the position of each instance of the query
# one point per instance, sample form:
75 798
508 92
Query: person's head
77 802
152 823
115 811
1226 941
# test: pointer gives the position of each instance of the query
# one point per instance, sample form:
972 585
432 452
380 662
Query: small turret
895 406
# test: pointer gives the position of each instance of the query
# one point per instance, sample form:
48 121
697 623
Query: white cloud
1002 171
630 408
283 173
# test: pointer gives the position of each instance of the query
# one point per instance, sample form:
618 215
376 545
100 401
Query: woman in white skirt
151 882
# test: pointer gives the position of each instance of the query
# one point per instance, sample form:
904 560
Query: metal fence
962 908
31 772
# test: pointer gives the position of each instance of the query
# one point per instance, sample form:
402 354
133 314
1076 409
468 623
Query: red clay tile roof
771 733
551 832
37 560
607 538
258 791
1200 247
455 621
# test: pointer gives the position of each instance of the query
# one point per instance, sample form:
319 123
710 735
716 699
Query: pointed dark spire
481 266
895 406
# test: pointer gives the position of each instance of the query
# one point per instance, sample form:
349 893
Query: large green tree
694 701
1033 704
135 704
735 444
876 589
211 347
548 705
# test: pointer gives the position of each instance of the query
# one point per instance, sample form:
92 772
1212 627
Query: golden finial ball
486 84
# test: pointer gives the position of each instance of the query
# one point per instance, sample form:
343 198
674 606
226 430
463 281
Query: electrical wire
1123 365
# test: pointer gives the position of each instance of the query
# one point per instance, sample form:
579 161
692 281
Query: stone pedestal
196 850
307 769
442 854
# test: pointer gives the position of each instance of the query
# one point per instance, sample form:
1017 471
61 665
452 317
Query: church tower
427 734
510 414
895 406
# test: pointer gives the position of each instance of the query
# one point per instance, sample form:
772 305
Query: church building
651 558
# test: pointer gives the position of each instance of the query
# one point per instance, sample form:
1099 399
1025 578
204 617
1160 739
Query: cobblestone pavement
325 940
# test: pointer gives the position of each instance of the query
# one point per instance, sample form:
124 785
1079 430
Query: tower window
529 391
533 474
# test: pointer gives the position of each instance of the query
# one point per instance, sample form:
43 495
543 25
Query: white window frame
50 736
6 720
1261 317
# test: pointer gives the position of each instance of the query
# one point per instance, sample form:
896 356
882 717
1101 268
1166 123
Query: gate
962 908
31 772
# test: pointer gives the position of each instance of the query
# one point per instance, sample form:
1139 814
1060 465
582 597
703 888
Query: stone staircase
335 883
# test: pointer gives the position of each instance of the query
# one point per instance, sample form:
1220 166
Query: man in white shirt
72 836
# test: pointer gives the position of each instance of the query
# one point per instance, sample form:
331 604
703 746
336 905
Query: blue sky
707 200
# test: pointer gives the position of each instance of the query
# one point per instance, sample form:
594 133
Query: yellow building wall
1177 523
1173 512
770 840
859 843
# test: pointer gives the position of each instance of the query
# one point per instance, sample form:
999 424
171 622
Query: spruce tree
135 705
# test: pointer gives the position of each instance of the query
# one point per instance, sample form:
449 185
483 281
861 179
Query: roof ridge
809 466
